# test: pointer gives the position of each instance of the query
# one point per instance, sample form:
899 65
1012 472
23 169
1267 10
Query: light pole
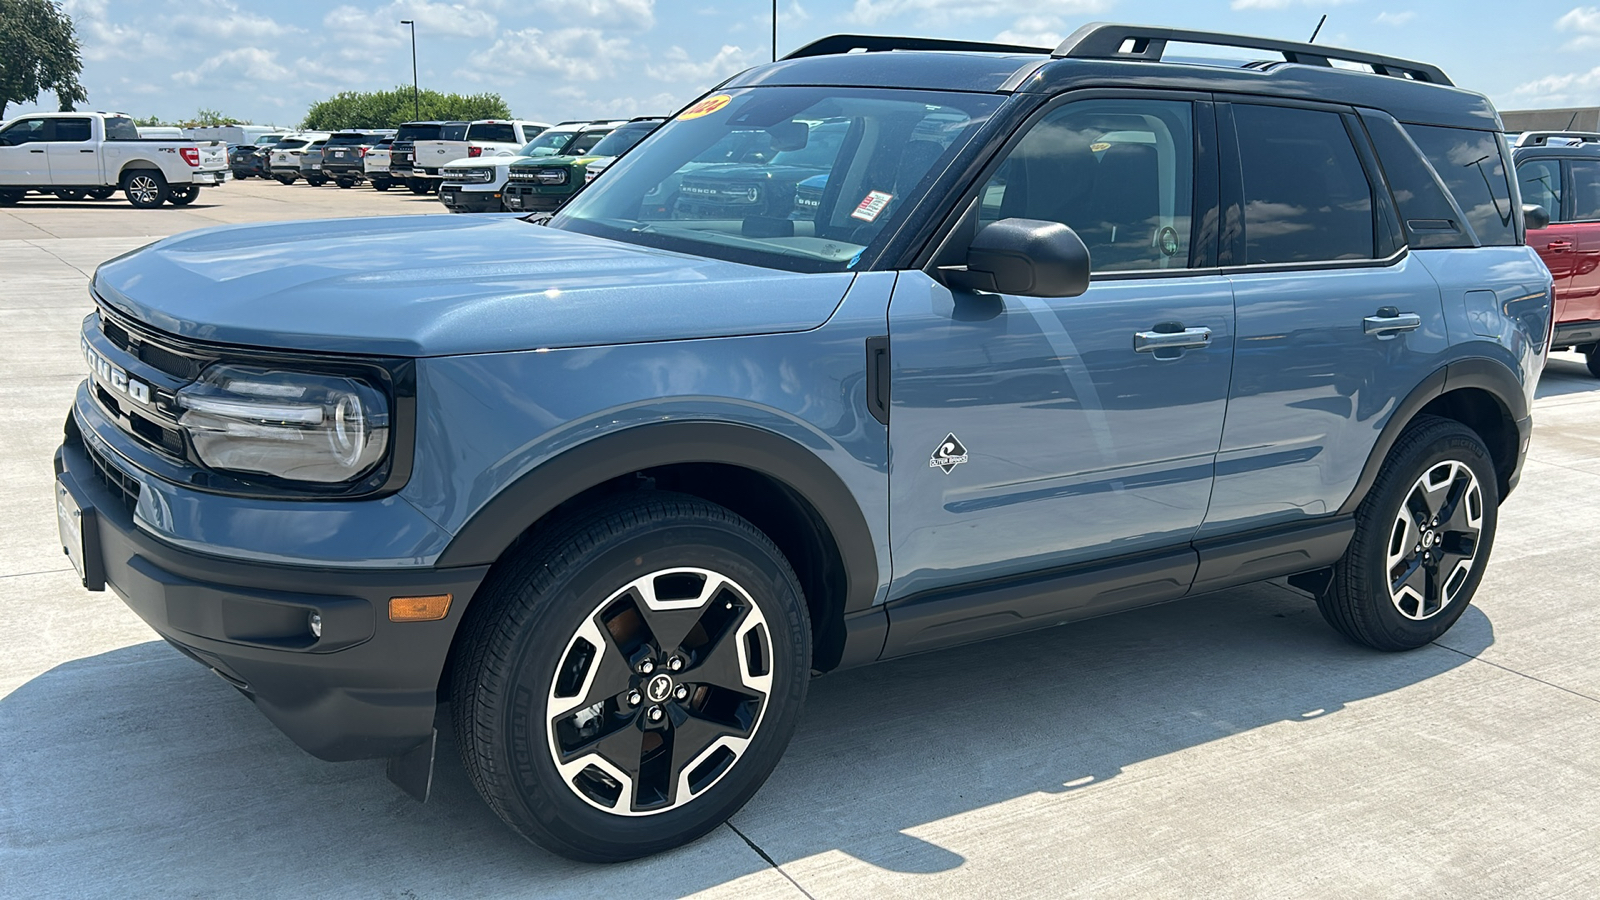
416 102
774 30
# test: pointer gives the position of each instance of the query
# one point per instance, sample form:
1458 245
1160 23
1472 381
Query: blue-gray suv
1063 333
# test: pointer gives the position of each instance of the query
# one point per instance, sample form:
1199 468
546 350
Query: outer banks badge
950 454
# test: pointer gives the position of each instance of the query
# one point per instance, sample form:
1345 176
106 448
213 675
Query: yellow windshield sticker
706 107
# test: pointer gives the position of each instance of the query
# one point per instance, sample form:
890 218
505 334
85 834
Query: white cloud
1571 89
1395 18
677 66
1283 4
253 63
870 12
221 19
1584 22
1034 31
570 53
447 19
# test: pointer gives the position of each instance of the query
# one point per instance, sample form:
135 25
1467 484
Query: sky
567 59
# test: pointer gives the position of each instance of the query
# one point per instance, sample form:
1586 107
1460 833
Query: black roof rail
1104 40
873 43
1542 138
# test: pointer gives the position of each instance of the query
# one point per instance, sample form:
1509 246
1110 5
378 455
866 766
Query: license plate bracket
80 535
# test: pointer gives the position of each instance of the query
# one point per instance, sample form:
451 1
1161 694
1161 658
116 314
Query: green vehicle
560 157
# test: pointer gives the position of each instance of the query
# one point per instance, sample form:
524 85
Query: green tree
148 121
206 118
388 109
38 52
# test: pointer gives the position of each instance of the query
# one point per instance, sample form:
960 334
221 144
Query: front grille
174 364
125 488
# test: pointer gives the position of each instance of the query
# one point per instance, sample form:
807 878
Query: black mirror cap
1030 257
1535 216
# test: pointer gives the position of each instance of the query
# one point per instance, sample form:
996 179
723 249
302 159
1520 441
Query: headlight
293 425
552 176
470 176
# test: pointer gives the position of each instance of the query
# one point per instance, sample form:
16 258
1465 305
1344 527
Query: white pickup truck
485 137
74 154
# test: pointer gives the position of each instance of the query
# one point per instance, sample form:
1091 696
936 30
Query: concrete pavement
1225 746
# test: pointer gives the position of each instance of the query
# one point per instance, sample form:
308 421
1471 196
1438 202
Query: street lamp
416 101
774 30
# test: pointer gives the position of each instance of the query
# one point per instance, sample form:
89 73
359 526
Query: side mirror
1030 257
1535 216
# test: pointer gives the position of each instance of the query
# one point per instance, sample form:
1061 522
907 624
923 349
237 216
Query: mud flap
412 771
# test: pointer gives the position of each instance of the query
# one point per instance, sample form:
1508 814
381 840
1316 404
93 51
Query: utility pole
774 30
416 100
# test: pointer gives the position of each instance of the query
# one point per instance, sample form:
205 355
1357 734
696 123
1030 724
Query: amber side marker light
419 609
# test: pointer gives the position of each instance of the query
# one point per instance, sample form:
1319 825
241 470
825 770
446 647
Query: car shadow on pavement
1566 373
137 772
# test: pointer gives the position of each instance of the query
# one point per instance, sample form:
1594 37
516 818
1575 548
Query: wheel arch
136 165
781 486
1482 394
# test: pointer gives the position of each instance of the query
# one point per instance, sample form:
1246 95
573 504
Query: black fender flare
1491 376
493 528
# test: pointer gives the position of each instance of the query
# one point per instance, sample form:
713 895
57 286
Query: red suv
1560 171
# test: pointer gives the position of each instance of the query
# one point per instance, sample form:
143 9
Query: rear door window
1585 190
1472 167
1307 198
74 131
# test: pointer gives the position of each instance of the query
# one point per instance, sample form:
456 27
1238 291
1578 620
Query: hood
445 285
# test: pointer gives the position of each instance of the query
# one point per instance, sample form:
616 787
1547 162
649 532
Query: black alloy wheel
1422 540
626 682
145 188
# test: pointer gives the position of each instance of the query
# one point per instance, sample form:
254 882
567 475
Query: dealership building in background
1584 118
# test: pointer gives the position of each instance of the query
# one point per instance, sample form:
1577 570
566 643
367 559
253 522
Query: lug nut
646 667
682 693
634 698
655 714
675 663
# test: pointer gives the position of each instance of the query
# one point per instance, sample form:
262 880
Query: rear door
1584 227
1335 322
1027 433
72 151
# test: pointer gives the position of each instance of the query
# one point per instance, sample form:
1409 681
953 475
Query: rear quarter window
1431 221
1473 167
121 128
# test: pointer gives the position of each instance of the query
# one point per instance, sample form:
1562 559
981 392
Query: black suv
402 153
342 156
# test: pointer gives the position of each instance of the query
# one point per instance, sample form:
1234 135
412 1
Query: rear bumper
366 688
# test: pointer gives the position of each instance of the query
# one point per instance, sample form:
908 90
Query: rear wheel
381 184
145 188
71 193
1422 540
417 186
626 682
183 195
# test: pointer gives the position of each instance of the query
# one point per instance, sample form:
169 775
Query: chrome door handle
1390 322
1148 341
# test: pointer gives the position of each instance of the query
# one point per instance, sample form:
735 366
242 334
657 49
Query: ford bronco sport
1066 332
1559 173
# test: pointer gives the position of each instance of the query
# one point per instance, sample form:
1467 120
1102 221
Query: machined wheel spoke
1434 539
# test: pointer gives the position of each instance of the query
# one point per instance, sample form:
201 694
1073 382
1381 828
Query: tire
145 188
70 193
286 179
11 198
1438 470
1592 360
183 195
381 184
417 186
525 637
345 184
316 180
102 193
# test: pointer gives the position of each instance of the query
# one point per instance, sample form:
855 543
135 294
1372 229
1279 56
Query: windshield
622 140
797 178
547 144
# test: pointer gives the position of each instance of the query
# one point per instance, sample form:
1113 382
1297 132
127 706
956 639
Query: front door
74 159
22 153
1030 434
1542 186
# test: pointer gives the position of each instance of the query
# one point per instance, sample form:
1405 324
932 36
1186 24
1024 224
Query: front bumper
365 688
459 200
528 197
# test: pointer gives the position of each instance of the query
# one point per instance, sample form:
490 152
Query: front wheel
286 179
70 193
381 184
102 193
184 195
316 180
345 183
1422 540
418 186
625 683
145 188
